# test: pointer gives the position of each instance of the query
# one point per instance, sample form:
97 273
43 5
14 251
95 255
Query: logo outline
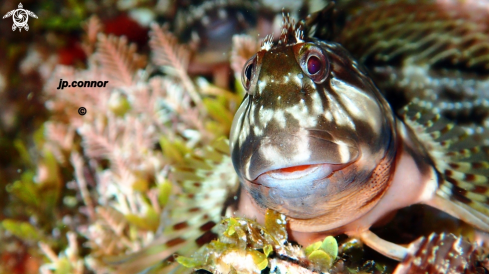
20 17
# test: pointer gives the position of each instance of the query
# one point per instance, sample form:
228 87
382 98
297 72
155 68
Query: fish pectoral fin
426 253
386 248
439 253
461 211
460 158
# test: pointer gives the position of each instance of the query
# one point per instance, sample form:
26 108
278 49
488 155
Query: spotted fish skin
316 140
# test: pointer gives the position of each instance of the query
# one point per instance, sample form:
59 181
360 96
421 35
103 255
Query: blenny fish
347 119
316 140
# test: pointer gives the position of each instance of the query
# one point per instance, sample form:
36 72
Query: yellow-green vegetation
323 254
246 246
243 245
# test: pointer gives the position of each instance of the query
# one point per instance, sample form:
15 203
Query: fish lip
318 147
280 174
274 177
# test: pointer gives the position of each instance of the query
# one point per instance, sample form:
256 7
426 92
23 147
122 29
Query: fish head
312 130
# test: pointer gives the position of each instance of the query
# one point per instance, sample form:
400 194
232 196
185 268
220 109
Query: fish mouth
296 174
297 190
306 147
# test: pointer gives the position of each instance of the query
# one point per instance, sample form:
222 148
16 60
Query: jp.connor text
82 84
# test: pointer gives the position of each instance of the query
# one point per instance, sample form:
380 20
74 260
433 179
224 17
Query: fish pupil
313 65
248 71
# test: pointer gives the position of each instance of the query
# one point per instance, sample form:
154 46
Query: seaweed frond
92 28
172 56
118 60
246 246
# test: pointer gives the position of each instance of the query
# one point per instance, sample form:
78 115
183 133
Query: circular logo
82 111
20 18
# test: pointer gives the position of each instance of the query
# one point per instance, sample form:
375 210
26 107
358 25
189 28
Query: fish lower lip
294 174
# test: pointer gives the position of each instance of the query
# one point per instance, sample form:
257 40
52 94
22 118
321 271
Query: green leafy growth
189 262
22 150
267 249
240 239
218 111
259 259
63 266
330 246
25 190
231 229
119 104
149 221
239 88
321 259
323 254
174 151
140 184
313 247
38 195
62 21
52 180
164 191
275 226
23 230
49 185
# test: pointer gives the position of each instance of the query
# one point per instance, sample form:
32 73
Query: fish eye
248 73
314 63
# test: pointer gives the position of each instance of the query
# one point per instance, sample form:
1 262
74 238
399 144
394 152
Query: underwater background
107 190
78 189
